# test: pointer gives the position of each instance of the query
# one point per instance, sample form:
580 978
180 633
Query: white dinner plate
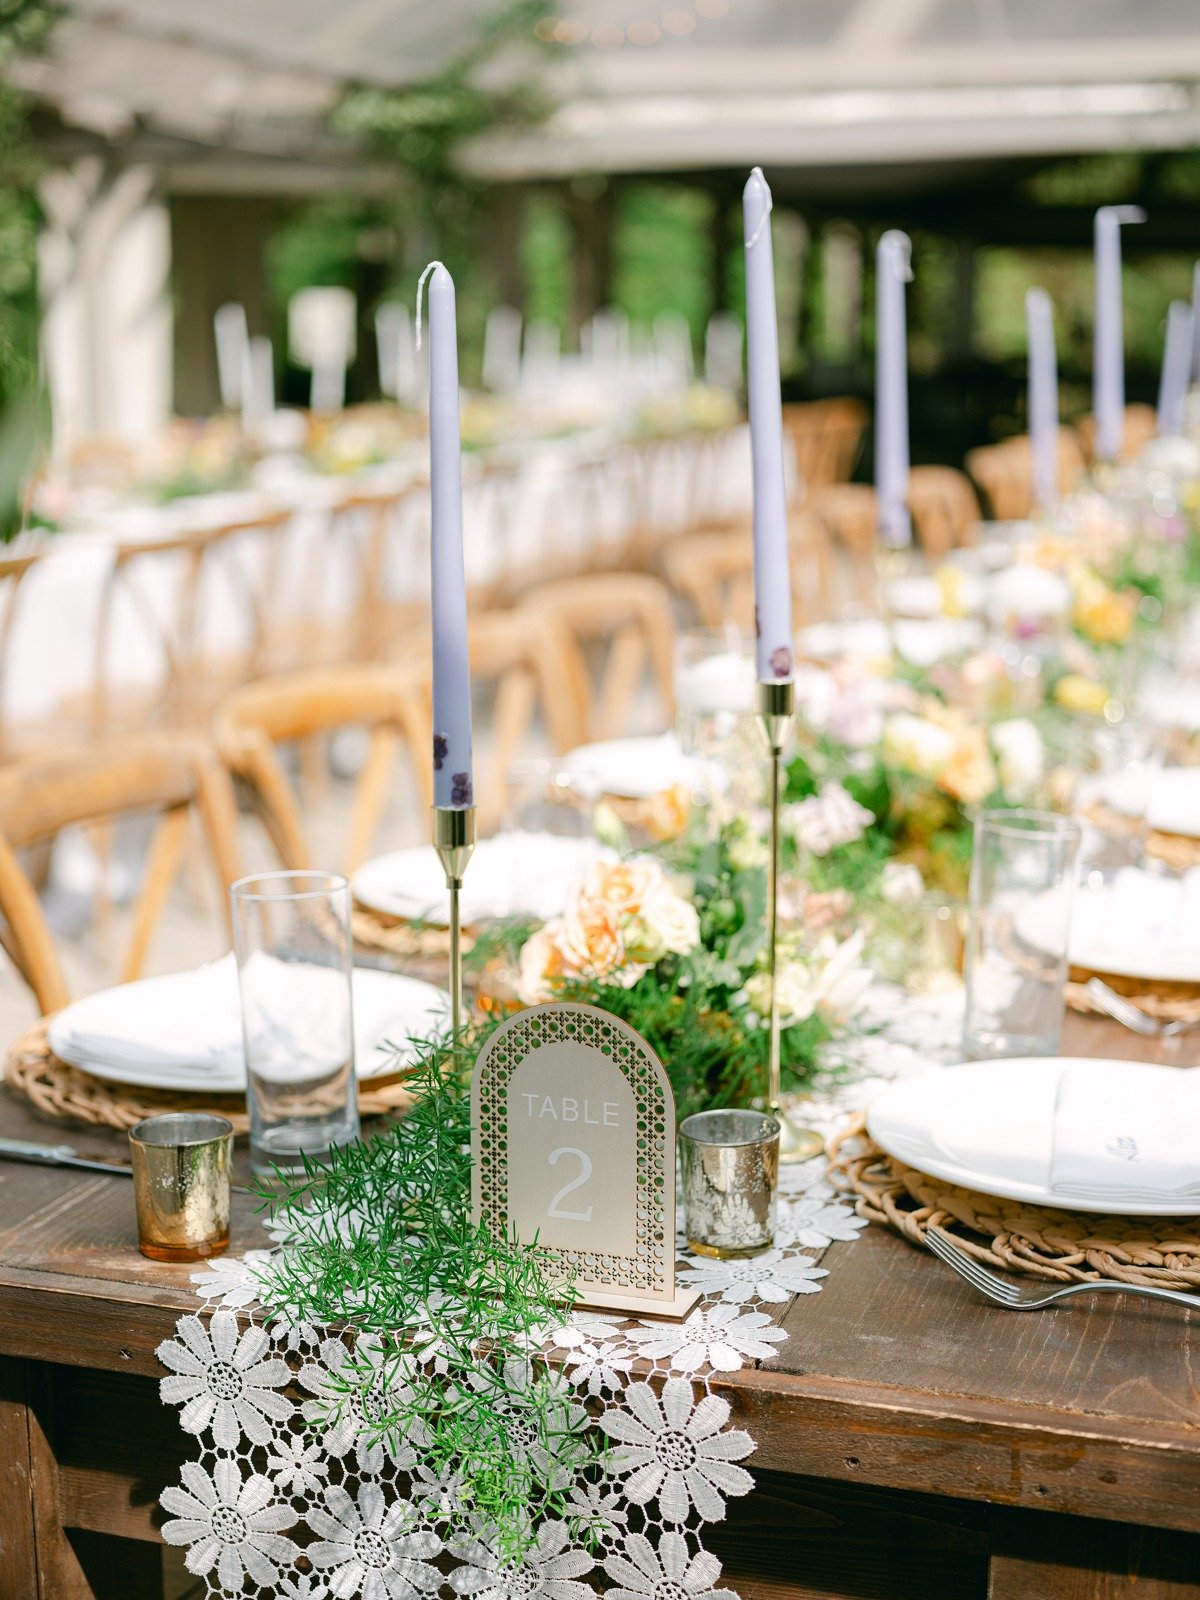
1174 799
387 1007
989 1126
636 769
513 874
1137 925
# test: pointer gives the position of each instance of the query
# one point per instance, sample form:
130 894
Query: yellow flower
970 775
1077 693
665 815
952 591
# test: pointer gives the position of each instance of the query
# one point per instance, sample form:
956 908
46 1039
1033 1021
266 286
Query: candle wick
433 265
764 219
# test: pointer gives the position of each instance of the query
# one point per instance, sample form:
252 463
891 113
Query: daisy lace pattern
291 1499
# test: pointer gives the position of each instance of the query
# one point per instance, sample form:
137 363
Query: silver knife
57 1155
64 1155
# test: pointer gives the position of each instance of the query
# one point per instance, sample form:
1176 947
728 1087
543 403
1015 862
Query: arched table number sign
573 1143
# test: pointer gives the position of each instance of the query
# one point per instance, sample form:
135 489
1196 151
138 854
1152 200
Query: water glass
730 1162
543 797
715 680
1022 886
292 937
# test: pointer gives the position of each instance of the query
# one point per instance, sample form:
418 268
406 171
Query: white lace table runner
279 1504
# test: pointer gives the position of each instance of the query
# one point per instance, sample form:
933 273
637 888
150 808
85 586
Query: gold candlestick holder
775 714
454 841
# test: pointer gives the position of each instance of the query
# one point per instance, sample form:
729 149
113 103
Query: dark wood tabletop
913 1440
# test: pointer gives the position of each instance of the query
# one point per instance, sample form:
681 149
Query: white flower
672 921
437 1494
549 1571
669 1573
746 852
369 1550
1020 756
597 1353
801 1177
232 1281
297 1464
772 1276
841 981
305 1587
797 996
673 1450
230 1525
352 1393
722 1337
826 821
815 1223
224 1380
597 1507
543 1421
901 883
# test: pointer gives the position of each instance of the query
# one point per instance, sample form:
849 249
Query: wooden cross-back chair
13 571
389 700
714 572
850 515
173 775
622 617
1004 472
1141 425
162 580
944 507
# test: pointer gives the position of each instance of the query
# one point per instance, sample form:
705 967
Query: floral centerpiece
681 957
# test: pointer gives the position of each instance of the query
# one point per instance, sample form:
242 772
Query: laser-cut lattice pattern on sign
648 1268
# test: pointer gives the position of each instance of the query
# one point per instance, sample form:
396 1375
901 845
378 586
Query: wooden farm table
913 1441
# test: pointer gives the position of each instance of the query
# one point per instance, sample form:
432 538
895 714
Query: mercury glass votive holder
182 1184
730 1165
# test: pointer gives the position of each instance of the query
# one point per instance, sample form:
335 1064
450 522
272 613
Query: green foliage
380 1241
661 253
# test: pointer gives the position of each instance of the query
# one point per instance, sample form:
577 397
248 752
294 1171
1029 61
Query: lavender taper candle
893 269
772 575
452 780
1043 397
1108 346
1176 370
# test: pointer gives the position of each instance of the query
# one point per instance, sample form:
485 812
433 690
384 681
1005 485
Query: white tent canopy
716 82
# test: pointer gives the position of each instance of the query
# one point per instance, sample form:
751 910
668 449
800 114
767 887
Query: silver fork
1031 1296
1133 1017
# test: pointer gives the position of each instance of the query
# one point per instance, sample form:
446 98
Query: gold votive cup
730 1165
182 1184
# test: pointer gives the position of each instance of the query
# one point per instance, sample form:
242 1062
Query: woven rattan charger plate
60 1090
1066 1246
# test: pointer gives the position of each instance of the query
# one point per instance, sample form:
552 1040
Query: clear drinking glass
715 700
1022 886
543 797
292 937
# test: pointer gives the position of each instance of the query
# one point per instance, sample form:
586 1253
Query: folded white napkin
1005 1137
187 1021
1127 1131
189 1025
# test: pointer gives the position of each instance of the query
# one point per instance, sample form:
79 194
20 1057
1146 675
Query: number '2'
585 1172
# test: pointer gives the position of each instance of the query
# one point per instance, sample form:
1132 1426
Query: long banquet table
913 1441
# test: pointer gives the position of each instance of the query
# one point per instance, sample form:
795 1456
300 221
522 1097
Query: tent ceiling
796 83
